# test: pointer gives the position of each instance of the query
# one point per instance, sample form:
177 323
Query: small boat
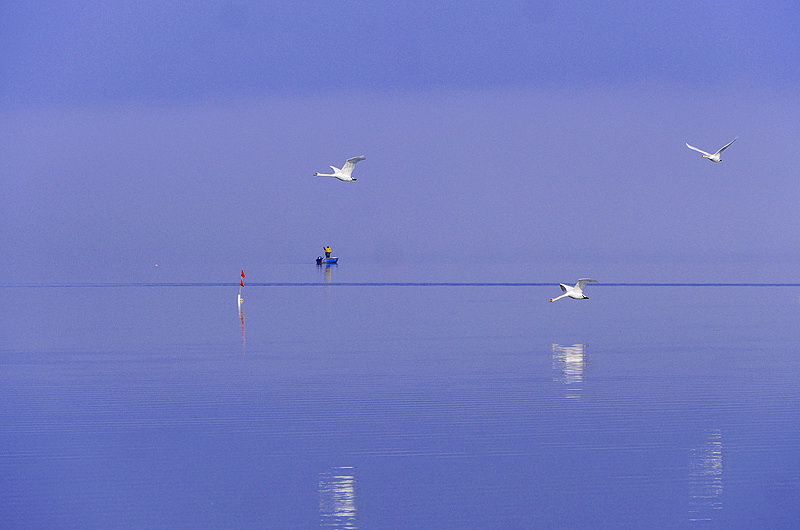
326 261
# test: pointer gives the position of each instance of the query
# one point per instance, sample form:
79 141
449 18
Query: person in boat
319 260
328 252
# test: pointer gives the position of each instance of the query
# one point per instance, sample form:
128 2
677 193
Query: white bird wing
583 281
726 146
700 150
564 288
351 163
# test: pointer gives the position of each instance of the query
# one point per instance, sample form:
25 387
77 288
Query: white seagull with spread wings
576 292
715 157
344 173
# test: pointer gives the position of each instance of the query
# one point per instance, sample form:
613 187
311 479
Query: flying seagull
715 157
574 292
344 173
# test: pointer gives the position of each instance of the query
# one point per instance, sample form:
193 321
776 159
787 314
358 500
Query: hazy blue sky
186 134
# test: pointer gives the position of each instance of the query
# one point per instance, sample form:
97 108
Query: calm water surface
398 406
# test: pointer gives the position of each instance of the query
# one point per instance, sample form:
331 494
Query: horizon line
394 284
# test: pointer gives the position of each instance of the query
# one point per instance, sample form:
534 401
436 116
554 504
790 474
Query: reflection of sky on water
337 498
705 477
432 394
571 362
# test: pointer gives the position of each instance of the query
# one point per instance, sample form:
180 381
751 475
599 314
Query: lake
342 401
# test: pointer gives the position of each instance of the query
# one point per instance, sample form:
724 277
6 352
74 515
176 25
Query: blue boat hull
320 261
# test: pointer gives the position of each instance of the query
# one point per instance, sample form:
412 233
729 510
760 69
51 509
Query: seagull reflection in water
571 362
705 477
337 498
